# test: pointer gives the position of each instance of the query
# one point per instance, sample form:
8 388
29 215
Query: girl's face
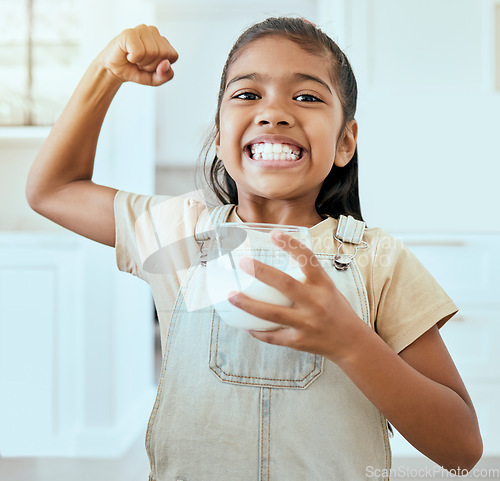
280 119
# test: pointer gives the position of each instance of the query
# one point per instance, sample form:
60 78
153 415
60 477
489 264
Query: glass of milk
232 242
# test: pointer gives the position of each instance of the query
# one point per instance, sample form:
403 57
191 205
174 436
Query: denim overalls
232 408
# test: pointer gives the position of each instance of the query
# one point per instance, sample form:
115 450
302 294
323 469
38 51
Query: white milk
222 279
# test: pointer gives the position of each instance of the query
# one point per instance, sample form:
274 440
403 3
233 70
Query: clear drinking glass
231 243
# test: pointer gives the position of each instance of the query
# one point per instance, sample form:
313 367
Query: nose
273 114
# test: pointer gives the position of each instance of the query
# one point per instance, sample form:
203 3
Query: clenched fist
140 55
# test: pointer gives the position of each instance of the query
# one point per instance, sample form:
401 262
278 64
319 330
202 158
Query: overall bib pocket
238 358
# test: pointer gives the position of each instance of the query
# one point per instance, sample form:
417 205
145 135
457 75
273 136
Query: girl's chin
272 190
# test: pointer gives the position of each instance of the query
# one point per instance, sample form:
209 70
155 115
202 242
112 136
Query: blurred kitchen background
78 345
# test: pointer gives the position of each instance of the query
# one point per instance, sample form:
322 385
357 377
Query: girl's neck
278 213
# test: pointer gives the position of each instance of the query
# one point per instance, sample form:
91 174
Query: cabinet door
467 266
39 325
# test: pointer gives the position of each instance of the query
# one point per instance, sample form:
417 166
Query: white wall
428 113
17 153
76 334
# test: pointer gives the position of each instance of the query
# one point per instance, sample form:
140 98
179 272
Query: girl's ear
347 144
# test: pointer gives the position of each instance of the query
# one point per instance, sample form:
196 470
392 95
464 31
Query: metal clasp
342 261
203 254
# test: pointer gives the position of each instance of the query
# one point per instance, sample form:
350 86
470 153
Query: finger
171 53
148 50
158 49
163 73
304 257
166 49
288 285
264 310
279 337
150 60
131 43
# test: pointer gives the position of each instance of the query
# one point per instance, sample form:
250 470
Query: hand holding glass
231 243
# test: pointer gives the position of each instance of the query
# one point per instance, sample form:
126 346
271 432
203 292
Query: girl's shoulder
380 240
387 259
385 254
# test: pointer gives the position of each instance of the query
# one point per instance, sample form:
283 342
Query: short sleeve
147 224
128 208
410 300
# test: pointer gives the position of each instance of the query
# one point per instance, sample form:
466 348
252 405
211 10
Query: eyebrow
261 78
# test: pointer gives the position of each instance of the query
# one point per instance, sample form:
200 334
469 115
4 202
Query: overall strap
349 231
209 219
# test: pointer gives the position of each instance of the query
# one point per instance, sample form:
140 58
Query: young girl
360 343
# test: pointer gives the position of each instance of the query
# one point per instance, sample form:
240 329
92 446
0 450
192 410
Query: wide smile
275 155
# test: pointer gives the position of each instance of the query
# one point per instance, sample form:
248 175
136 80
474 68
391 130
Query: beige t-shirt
405 300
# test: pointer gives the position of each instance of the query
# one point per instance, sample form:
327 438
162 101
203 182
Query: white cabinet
40 319
468 268
76 349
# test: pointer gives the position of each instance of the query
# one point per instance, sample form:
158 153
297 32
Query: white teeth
268 148
275 156
270 151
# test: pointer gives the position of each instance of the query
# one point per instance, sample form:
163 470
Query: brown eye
246 96
307 98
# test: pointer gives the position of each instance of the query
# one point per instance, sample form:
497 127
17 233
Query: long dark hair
339 194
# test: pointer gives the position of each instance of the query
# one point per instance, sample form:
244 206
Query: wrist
97 87
355 341
104 75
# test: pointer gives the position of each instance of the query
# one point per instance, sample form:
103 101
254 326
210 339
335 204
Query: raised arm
59 184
